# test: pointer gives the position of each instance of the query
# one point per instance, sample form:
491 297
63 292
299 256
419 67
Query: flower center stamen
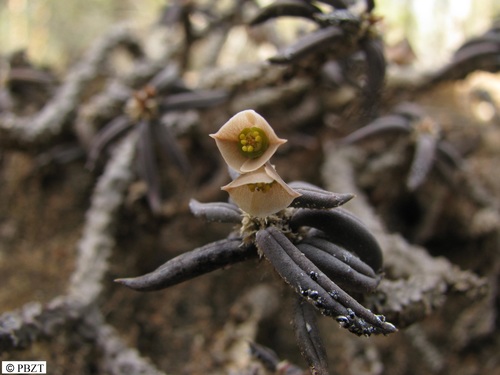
261 187
253 142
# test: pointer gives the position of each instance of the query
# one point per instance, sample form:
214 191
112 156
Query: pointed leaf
192 264
221 212
315 197
281 8
309 339
308 44
343 229
423 160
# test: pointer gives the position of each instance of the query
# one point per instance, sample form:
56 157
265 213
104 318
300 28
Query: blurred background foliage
55 32
435 28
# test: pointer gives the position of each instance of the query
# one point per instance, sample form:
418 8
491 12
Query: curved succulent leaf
193 100
381 125
370 5
340 265
409 111
337 4
221 212
277 249
271 361
478 53
148 167
373 50
192 264
315 197
279 8
309 282
29 74
492 36
343 229
480 56
308 44
265 355
448 153
105 136
166 79
168 145
309 339
423 160
320 240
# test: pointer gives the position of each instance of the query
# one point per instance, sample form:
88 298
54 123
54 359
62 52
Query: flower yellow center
262 187
253 142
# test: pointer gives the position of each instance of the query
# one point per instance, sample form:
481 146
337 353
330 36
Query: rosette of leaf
144 112
425 135
346 36
262 192
321 251
247 141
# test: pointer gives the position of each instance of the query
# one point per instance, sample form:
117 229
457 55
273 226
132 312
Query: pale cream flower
261 192
247 141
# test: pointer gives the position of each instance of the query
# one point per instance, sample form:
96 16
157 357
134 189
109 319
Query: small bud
262 192
247 141
143 104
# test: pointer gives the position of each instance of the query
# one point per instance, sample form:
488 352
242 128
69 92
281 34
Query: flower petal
228 141
261 192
